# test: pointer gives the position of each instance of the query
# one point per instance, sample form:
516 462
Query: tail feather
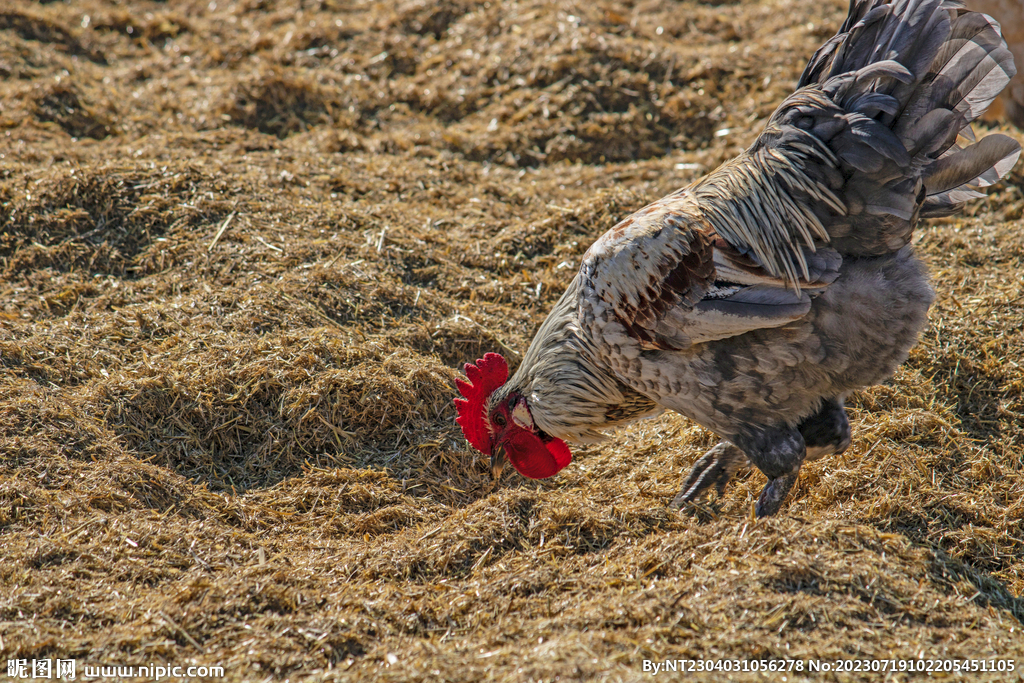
953 179
970 165
972 67
928 135
877 136
869 35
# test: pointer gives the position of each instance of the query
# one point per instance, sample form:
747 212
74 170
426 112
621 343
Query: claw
716 468
774 494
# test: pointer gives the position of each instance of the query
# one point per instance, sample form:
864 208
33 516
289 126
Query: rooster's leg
778 452
827 432
774 494
715 468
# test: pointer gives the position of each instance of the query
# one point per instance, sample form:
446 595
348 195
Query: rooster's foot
716 468
774 494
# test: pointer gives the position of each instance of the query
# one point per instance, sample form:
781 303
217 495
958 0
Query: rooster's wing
665 278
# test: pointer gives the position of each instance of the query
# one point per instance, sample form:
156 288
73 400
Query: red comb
489 373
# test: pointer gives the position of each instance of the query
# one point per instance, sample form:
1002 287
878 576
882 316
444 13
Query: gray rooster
755 299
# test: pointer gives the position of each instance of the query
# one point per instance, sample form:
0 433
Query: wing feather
665 279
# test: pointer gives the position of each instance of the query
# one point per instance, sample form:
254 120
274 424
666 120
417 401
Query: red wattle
533 458
560 452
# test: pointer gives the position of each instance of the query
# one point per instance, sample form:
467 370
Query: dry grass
245 246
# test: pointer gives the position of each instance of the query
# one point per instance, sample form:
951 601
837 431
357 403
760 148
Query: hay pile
245 246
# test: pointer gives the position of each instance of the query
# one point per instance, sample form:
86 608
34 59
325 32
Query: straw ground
244 249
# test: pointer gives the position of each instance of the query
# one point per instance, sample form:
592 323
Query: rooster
755 299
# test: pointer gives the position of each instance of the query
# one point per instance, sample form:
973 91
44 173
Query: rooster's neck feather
571 396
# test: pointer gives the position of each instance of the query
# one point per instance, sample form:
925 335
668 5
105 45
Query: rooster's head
499 423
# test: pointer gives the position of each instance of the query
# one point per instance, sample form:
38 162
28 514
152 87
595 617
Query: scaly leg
778 452
716 468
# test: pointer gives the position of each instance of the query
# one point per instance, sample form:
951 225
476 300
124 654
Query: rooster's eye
499 420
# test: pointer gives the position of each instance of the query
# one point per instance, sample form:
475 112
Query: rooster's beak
497 461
